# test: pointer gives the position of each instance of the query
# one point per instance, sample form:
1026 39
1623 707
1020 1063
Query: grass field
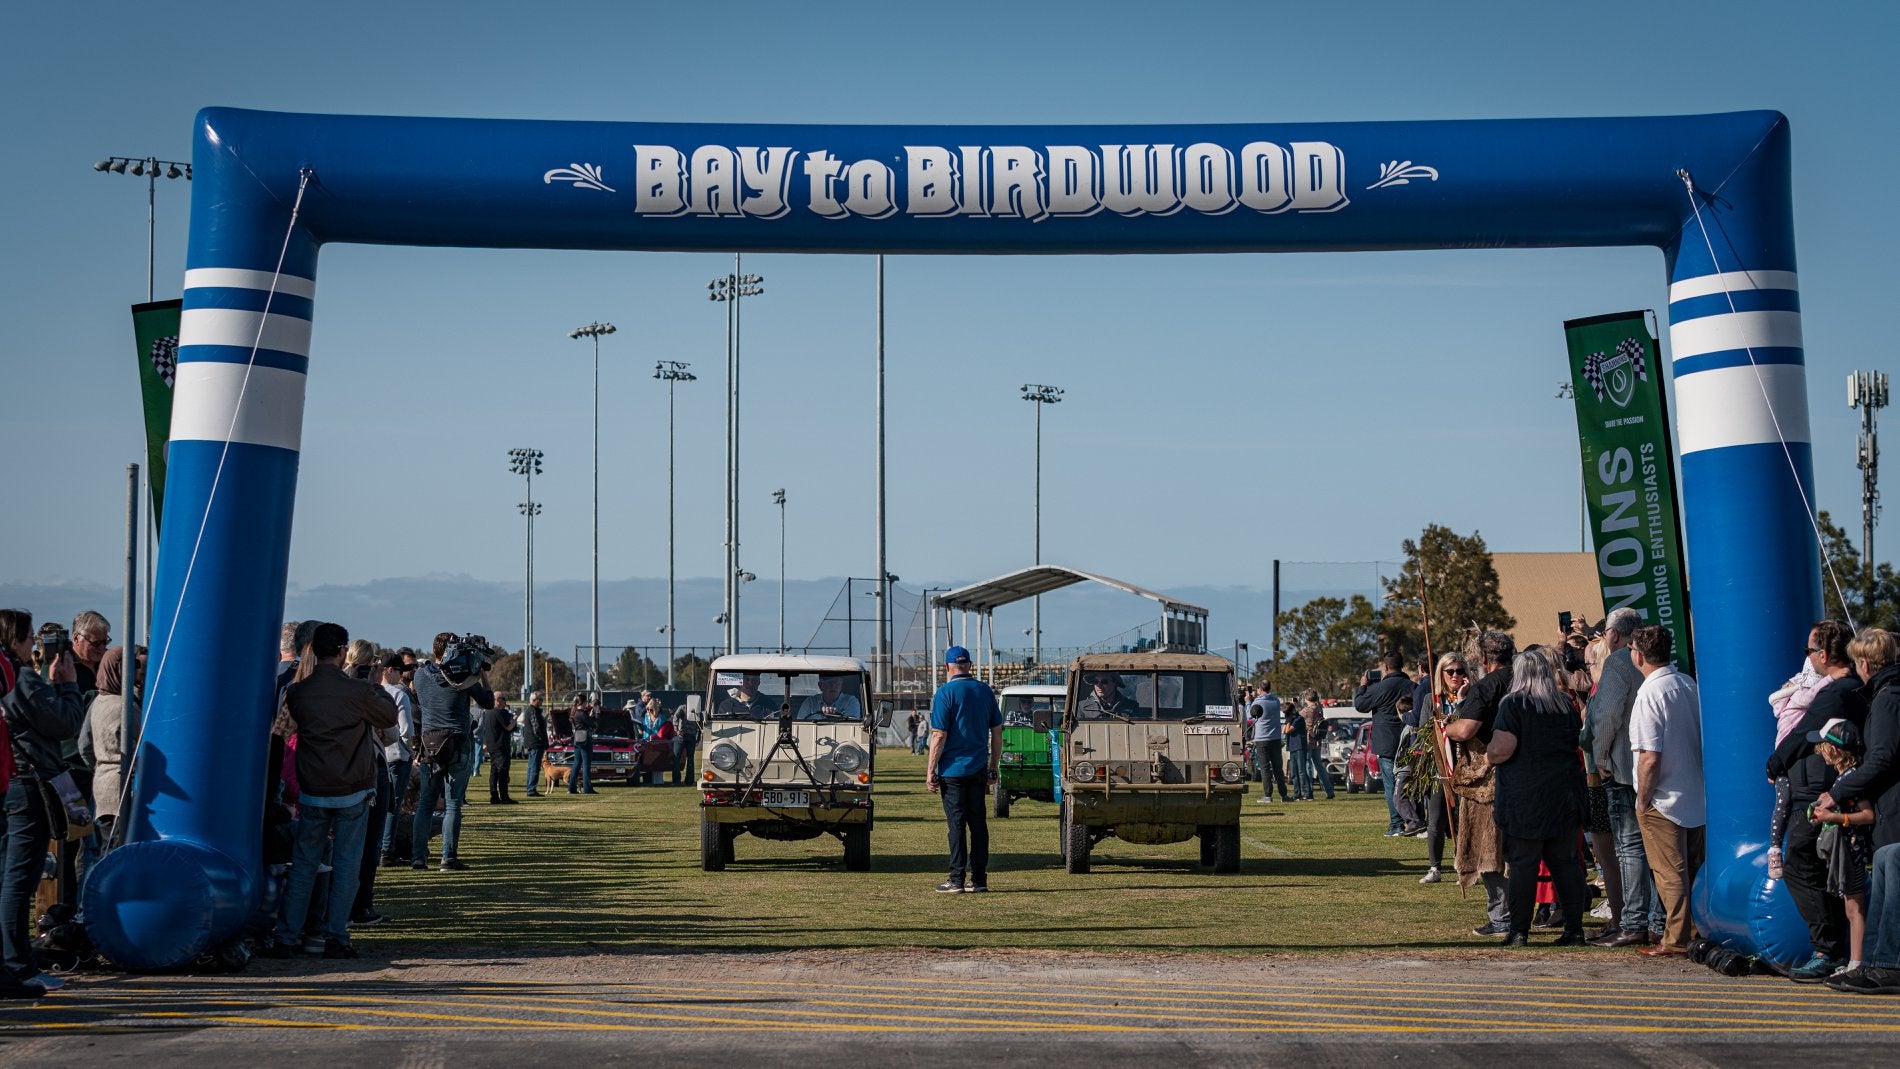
619 871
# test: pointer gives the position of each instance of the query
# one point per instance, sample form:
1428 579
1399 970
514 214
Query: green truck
1028 768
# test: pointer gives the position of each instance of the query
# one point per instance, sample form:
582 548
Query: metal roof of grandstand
1024 583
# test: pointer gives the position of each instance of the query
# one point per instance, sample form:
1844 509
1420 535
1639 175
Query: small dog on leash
555 775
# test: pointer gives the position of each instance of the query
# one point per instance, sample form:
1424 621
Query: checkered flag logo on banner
1597 366
165 358
1593 373
1629 347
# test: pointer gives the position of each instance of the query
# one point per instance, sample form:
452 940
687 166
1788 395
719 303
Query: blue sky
1247 407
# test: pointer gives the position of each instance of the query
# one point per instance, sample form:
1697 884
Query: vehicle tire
1205 833
715 849
1351 787
1226 849
1075 849
1000 799
857 849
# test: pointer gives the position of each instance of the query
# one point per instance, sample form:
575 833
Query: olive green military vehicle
1151 753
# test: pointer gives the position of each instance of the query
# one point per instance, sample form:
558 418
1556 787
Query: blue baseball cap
956 655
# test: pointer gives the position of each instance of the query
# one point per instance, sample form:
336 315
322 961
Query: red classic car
618 756
1362 768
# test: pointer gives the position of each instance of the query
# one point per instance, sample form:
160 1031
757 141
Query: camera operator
41 712
444 689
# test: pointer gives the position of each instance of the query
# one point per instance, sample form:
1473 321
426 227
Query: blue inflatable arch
271 190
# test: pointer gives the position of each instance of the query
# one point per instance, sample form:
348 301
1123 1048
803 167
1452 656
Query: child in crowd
1789 704
1846 844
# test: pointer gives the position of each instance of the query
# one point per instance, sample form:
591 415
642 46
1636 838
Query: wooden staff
1441 745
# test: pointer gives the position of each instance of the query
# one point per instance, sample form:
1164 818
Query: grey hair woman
1541 795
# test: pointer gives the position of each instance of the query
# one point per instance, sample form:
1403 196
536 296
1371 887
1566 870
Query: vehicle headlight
1231 772
848 758
1084 770
726 757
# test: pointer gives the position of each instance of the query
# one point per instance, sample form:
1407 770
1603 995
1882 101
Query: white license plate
622 758
788 799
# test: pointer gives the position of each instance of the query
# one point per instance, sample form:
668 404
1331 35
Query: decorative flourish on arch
583 175
1401 173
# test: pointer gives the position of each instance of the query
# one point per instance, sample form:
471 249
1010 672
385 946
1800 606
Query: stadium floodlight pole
1568 392
150 168
1867 391
672 372
594 331
1041 395
729 290
883 660
778 498
527 463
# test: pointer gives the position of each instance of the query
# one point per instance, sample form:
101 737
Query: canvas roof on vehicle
785 662
1151 662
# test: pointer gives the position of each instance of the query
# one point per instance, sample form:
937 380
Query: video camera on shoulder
465 658
52 641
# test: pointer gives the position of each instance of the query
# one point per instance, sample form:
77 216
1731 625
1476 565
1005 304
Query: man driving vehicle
745 700
830 703
1106 699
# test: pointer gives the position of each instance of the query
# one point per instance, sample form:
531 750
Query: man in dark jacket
534 739
442 753
1876 782
498 727
337 719
1380 697
1809 777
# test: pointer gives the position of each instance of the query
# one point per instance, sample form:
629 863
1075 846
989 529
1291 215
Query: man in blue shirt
966 743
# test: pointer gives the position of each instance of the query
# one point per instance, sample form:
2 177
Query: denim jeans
451 783
1882 950
580 775
966 802
1394 821
689 759
1301 773
27 832
533 786
316 825
398 783
1641 909
1319 775
1497 898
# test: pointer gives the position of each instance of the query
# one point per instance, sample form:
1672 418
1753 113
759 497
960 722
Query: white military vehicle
787 754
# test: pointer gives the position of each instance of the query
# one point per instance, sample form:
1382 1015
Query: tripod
786 741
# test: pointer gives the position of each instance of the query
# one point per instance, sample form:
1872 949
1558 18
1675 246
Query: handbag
442 748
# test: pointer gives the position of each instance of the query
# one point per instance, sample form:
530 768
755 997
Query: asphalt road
942 1008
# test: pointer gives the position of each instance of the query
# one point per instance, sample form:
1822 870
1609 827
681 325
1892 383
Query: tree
690 672
1460 589
1327 642
633 670
1851 573
505 676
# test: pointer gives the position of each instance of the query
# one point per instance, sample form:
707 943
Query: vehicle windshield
812 695
1178 696
1019 710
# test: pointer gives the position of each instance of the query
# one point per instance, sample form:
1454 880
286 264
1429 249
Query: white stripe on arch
1734 330
1723 407
1732 281
232 326
206 394
238 278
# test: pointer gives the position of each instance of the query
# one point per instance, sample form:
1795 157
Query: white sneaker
1601 911
1431 875
45 982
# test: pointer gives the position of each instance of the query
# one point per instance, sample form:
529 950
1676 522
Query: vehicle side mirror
883 714
1043 719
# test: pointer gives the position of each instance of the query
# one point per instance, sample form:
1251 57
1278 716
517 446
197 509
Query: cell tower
1867 391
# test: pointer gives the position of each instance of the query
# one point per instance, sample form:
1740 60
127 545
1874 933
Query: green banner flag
1629 474
155 326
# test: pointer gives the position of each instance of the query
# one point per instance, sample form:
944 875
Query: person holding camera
580 774
40 712
1379 692
445 687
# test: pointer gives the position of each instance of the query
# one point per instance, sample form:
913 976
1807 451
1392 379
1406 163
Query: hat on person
1838 732
956 655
